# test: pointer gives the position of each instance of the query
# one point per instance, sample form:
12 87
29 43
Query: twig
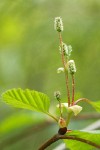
57 137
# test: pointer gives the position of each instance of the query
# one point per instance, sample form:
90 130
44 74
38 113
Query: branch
58 137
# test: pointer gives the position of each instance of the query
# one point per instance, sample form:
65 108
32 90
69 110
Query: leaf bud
62 122
76 109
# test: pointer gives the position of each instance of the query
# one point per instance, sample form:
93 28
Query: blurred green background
29 58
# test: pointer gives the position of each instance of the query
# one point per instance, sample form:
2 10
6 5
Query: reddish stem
68 92
64 64
73 89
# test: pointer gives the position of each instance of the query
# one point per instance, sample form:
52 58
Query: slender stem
57 137
66 74
73 89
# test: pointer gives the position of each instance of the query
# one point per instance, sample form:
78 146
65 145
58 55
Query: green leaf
27 99
93 136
